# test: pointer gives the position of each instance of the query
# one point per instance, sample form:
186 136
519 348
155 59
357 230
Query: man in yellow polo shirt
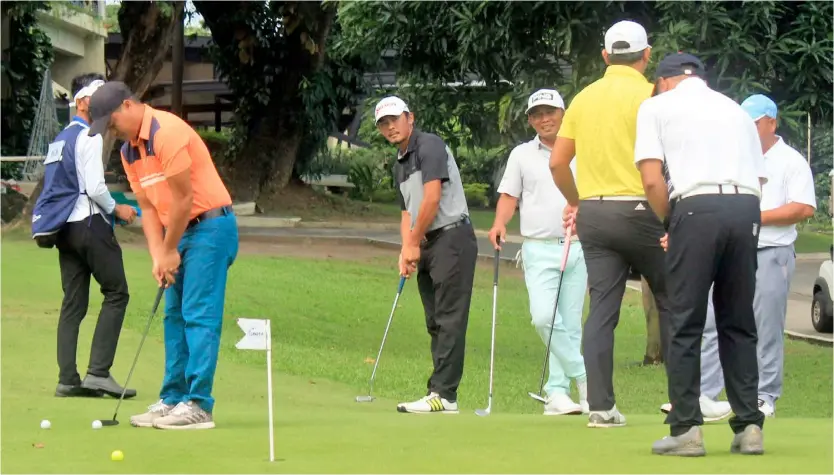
606 203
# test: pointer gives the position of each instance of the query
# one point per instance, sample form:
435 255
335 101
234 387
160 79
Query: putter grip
566 249
402 284
497 262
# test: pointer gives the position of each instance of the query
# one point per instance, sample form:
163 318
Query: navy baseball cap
758 106
105 101
678 64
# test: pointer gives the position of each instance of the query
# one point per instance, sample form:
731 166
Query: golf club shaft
565 252
494 308
141 342
385 335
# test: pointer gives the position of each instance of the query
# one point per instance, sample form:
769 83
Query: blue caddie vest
60 182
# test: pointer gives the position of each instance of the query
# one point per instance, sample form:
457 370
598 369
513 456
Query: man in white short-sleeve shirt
787 198
527 182
715 171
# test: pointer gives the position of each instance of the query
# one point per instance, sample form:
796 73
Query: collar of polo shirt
538 141
145 129
411 141
627 71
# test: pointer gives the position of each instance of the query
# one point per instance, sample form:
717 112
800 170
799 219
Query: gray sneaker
185 416
605 419
155 411
688 444
748 442
106 385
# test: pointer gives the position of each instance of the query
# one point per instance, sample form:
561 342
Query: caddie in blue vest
75 213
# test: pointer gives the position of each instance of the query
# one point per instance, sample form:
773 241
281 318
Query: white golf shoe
712 411
560 405
430 404
766 408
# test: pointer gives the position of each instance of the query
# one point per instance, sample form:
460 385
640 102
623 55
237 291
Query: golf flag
258 336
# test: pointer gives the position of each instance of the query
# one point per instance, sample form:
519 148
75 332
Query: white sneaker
429 404
766 408
711 410
714 410
605 419
582 386
561 404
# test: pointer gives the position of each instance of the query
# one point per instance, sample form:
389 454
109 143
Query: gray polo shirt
427 158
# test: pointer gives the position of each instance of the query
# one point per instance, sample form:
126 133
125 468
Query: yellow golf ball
117 456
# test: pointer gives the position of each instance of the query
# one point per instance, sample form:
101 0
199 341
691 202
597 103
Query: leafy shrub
476 194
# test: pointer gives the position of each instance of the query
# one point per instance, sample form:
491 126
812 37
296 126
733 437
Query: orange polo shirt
167 146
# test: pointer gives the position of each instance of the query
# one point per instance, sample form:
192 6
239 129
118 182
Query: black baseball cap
677 64
105 101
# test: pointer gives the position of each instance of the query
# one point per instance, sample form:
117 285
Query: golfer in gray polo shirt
438 243
527 182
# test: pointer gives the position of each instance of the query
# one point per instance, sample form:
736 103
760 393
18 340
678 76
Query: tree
30 56
288 93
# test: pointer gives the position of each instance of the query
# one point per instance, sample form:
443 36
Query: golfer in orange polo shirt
193 240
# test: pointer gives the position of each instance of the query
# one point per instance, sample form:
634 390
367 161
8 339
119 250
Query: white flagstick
269 388
258 336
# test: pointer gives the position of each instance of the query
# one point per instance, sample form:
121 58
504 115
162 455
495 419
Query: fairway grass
328 318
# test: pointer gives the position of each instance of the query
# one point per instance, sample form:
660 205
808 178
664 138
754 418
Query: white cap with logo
545 97
629 32
391 105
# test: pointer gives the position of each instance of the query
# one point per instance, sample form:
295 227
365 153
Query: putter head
109 422
537 397
367 398
483 412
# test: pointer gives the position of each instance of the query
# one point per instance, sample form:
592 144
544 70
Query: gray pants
773 280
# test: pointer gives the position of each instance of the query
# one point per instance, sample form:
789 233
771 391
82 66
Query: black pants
89 248
713 238
445 275
616 235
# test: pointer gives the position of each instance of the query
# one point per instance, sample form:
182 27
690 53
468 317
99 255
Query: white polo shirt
90 171
789 180
528 178
704 137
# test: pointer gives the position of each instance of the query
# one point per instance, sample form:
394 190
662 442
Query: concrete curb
813 339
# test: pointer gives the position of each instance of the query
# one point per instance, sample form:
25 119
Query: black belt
212 213
431 235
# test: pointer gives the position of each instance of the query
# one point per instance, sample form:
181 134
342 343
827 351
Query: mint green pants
542 260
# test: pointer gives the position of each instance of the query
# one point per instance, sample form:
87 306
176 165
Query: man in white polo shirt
527 182
787 198
715 171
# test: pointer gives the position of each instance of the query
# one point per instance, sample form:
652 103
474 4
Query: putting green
318 426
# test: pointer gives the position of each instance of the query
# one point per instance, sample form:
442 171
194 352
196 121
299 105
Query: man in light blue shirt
527 182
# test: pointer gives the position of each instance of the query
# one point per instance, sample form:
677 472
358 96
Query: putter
369 397
114 421
488 410
540 396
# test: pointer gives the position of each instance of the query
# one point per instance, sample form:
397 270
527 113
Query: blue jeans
194 311
542 260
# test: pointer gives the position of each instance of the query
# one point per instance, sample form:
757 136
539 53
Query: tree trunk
654 353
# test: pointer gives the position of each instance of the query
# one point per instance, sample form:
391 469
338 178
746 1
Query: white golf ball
45 424
96 424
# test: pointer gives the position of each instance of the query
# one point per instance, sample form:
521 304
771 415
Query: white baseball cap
545 97
391 105
86 91
628 32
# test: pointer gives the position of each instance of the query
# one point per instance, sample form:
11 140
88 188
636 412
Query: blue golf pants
194 311
542 260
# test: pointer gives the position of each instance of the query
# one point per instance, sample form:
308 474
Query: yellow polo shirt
602 120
